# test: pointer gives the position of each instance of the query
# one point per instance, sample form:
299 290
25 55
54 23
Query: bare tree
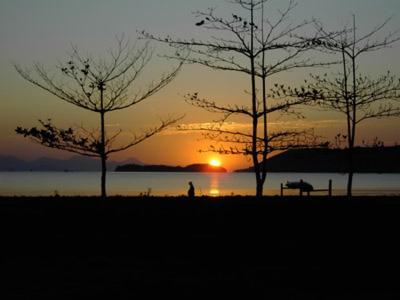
359 97
257 47
99 85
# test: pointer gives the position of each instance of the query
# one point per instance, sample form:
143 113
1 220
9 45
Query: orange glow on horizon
214 192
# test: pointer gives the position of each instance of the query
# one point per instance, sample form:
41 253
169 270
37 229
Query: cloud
243 127
113 125
304 124
231 126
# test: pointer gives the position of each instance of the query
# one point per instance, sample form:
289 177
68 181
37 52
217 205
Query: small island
203 168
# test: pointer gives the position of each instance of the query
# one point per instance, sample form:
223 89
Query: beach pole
330 188
281 189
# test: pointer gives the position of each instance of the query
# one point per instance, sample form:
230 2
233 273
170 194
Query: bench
301 191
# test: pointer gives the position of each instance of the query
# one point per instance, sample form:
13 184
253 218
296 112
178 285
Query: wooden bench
329 189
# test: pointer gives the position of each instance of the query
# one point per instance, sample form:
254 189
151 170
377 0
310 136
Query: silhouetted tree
97 85
359 97
257 47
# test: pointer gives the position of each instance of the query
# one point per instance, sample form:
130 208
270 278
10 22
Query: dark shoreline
325 160
276 248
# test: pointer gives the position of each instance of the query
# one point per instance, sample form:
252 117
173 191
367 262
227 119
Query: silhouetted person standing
191 190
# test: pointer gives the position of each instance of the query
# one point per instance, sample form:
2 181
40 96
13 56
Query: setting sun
214 163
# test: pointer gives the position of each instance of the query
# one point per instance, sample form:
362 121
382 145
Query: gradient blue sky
42 31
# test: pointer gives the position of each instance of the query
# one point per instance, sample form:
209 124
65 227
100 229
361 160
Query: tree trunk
349 126
264 98
350 172
354 116
259 188
259 185
103 158
103 176
351 156
103 154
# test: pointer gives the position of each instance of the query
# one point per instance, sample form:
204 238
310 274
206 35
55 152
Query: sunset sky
43 30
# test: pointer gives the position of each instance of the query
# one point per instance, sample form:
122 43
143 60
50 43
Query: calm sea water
172 184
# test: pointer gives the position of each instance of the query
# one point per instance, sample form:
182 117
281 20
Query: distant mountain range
366 160
73 164
164 168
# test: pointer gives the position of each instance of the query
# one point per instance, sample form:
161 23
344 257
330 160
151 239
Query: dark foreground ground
127 248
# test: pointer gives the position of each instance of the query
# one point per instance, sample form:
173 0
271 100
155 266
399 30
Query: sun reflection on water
214 186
